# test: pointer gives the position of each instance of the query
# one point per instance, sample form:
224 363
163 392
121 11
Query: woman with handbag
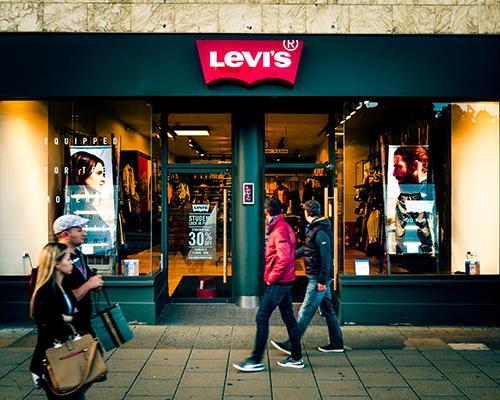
53 309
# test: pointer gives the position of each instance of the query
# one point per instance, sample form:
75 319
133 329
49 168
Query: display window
410 169
410 186
94 158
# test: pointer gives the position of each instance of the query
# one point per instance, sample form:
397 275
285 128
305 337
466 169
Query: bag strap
105 295
92 349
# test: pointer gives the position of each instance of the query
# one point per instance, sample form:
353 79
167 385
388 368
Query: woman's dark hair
313 208
83 165
273 206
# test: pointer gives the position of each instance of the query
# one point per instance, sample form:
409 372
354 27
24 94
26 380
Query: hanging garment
373 226
128 180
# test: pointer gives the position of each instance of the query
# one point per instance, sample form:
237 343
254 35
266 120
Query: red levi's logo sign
250 61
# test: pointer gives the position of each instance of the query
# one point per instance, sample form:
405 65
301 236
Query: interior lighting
348 117
191 130
360 104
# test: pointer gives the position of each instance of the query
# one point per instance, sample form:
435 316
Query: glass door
199 235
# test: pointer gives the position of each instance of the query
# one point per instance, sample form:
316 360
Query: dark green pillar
248 221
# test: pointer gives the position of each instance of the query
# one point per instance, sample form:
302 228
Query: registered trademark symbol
290 45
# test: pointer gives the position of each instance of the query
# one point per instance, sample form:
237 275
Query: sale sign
202 234
250 61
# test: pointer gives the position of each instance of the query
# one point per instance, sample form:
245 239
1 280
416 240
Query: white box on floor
362 266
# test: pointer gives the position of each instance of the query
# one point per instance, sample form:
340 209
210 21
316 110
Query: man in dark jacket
81 282
317 253
279 276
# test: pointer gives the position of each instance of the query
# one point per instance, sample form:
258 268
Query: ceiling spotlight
348 117
370 104
360 104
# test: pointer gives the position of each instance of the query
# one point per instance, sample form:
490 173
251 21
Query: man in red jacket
279 276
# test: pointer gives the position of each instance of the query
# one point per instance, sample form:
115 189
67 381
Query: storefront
396 136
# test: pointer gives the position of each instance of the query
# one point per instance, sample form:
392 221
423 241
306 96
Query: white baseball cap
68 221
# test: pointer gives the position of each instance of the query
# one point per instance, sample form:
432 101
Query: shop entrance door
199 236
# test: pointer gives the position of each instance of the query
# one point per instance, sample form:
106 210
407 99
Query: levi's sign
249 61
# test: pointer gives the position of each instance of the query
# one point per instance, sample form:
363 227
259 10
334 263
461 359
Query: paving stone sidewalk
190 361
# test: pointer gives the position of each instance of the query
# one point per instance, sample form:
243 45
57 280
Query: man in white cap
68 229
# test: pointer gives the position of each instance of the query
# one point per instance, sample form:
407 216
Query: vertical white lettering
115 141
66 170
84 140
66 141
56 141
58 199
213 60
94 140
105 140
56 171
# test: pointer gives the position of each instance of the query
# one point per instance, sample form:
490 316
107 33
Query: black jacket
48 309
317 250
74 281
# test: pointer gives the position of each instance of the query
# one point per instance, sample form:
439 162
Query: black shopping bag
110 325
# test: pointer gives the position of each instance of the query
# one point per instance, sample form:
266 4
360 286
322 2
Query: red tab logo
250 61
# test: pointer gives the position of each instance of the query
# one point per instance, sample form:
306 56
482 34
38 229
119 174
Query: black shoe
283 347
330 348
249 365
289 362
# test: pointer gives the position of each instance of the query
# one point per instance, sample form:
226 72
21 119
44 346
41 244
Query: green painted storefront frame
332 67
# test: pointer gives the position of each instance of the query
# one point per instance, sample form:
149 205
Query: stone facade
253 16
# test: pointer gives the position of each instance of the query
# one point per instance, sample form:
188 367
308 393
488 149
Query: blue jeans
276 296
314 299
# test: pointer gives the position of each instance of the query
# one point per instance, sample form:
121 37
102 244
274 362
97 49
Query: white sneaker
289 362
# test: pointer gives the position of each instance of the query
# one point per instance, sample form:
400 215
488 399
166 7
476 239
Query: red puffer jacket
280 252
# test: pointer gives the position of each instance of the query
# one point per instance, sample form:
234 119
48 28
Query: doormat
468 346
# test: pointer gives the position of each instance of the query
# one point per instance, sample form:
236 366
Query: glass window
94 158
296 138
198 138
410 169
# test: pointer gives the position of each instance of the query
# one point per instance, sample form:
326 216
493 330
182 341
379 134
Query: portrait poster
202 232
91 194
410 202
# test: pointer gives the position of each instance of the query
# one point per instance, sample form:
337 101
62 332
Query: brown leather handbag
73 364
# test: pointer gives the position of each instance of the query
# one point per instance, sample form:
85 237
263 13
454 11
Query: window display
91 195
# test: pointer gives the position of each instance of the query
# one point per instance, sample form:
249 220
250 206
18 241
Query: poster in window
202 232
411 202
92 195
